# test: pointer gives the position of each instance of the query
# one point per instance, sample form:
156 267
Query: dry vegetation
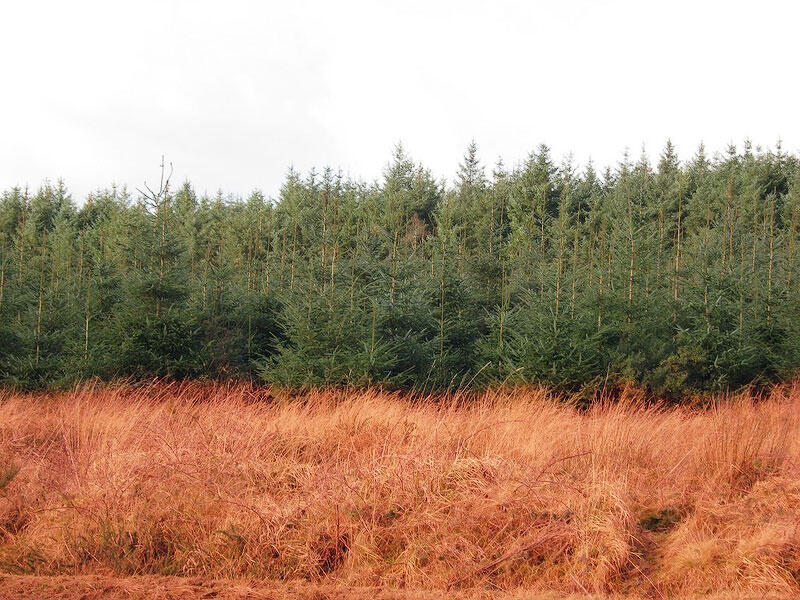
510 493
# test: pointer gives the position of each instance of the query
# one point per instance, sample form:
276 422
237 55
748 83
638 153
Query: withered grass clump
512 490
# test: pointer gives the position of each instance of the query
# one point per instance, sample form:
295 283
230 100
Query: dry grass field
230 491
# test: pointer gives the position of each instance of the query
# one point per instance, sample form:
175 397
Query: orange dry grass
512 490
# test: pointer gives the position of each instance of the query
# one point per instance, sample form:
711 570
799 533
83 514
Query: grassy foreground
510 494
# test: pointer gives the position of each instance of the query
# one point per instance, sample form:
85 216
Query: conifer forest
676 276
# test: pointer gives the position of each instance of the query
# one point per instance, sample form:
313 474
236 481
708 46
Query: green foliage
673 276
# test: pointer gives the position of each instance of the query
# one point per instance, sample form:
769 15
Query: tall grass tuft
509 490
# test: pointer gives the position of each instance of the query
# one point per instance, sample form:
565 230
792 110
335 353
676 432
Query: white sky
235 92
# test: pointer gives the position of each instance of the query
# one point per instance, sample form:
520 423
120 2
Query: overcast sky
235 92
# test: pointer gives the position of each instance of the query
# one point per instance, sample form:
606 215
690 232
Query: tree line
673 276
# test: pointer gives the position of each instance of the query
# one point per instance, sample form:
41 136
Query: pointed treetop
470 171
700 159
669 163
624 166
589 172
499 170
400 165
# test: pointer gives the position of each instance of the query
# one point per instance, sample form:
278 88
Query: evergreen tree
670 276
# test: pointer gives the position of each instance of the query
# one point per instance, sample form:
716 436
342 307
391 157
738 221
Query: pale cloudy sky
235 92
